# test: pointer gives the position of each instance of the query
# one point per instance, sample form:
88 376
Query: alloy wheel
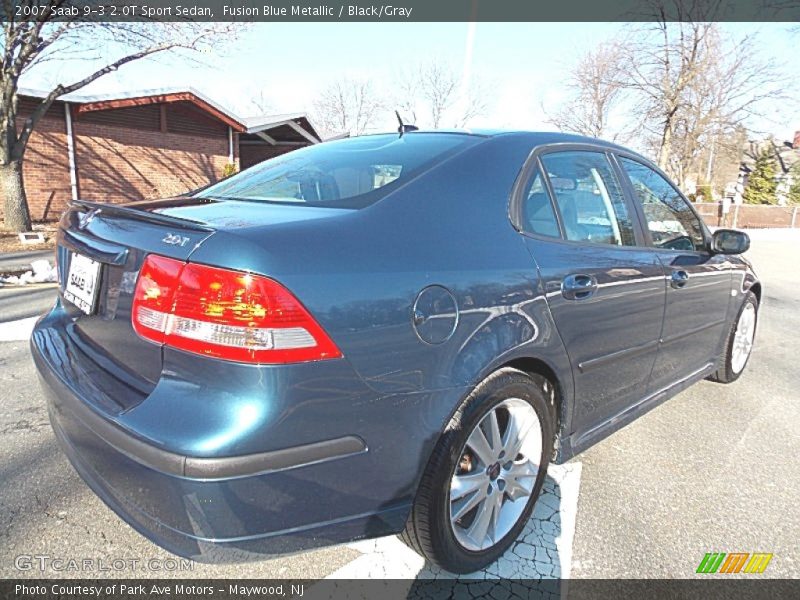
496 474
743 338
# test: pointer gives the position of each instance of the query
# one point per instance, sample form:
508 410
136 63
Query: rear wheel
739 344
485 474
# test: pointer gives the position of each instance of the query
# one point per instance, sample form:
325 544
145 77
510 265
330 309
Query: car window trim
533 161
548 187
530 167
629 190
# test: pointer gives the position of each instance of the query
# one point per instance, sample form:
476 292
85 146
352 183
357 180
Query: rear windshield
349 173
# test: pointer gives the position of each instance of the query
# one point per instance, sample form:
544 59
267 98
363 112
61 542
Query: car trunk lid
113 240
118 238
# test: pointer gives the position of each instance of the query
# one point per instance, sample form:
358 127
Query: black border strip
703 587
315 11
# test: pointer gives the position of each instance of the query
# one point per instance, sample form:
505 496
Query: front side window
672 223
589 198
350 173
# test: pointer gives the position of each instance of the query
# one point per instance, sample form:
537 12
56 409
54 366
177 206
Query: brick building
141 145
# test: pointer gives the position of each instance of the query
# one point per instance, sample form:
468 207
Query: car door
699 282
606 295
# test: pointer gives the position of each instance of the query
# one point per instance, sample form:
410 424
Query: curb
33 286
12 262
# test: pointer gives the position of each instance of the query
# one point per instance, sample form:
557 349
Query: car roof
535 138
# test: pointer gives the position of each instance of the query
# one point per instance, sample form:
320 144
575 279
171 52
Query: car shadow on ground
542 552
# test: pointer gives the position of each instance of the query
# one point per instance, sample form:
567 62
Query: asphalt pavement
712 470
19 302
46 510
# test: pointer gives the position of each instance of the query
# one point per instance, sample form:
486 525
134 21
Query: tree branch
61 90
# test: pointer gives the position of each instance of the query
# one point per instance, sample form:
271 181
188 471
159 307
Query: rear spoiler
140 215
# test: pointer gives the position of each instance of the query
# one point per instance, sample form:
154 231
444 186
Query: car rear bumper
244 506
93 459
207 469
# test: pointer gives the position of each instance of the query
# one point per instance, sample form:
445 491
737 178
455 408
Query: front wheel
739 343
485 473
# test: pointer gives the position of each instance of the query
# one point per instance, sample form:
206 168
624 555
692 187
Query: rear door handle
578 287
679 278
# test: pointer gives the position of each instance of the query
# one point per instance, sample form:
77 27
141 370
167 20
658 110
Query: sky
524 65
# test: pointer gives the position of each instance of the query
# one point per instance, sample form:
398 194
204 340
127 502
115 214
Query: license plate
81 286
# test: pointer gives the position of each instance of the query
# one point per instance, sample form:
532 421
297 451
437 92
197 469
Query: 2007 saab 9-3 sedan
384 334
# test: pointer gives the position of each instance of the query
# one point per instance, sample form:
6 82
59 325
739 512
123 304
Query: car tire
732 363
527 401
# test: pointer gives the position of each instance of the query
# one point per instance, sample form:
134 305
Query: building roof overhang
258 124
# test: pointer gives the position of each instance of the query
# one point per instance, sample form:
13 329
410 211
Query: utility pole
466 71
710 162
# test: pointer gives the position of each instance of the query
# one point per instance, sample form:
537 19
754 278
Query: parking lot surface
712 470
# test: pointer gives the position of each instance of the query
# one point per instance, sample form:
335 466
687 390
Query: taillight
225 314
154 296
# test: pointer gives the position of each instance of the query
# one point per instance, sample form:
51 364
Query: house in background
142 145
786 157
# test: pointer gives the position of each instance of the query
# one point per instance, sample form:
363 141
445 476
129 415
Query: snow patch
41 272
17 331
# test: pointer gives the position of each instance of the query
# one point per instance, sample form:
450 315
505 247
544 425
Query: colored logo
735 562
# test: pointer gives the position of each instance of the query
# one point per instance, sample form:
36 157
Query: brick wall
121 155
46 166
126 154
121 164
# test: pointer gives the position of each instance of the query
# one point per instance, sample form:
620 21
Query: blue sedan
384 334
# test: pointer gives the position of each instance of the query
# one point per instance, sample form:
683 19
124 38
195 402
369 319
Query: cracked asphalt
542 551
712 470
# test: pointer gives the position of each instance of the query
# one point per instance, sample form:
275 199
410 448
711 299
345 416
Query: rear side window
589 198
350 173
672 224
538 214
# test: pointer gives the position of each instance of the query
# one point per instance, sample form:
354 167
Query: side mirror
730 241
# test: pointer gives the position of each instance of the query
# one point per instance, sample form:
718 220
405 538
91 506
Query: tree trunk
16 217
666 147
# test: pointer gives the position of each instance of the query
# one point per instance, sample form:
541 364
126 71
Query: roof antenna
403 127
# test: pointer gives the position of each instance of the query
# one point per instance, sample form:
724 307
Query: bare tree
691 85
433 95
260 104
438 85
406 96
661 66
31 41
471 104
597 84
347 106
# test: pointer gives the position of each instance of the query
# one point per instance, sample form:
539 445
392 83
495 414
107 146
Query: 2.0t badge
174 239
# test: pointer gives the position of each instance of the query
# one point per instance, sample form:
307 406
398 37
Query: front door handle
679 278
578 287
